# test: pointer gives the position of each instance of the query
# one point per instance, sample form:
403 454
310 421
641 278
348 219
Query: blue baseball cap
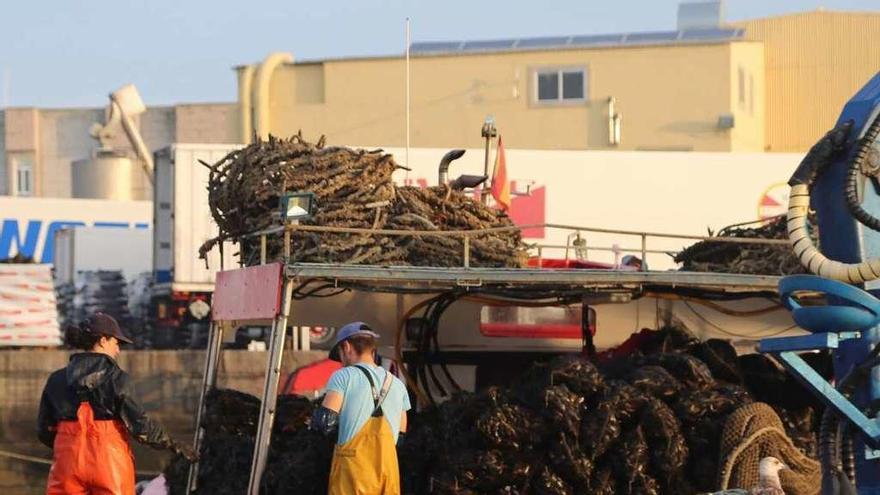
348 331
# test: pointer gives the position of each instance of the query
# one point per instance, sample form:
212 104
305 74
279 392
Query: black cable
863 147
435 327
299 295
425 387
425 349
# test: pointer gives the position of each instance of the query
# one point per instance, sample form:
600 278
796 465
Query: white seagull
768 475
768 480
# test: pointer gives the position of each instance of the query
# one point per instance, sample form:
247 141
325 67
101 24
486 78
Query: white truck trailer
182 283
80 249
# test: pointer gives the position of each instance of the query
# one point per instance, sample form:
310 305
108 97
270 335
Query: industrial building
757 85
39 146
750 86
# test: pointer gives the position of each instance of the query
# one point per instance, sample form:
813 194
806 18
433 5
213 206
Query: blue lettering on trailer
23 236
10 234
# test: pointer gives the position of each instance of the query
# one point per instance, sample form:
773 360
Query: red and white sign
774 201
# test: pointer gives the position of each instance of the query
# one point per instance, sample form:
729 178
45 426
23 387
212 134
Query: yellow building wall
747 96
670 98
814 62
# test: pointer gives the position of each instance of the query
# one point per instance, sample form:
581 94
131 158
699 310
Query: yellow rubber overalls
367 464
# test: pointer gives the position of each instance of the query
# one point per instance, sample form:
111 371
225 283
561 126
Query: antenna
408 42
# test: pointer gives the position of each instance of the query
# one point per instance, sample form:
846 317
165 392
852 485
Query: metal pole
484 196
286 246
209 380
408 42
270 392
263 249
644 266
305 335
467 251
488 132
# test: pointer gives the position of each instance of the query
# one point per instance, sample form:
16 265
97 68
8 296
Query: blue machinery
842 173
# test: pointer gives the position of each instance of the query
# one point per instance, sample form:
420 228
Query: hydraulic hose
836 453
829 452
810 257
817 160
848 453
855 171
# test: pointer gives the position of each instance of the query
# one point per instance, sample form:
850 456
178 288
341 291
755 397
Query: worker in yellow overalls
367 405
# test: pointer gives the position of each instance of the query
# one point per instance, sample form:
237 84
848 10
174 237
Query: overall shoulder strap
369 376
386 386
378 396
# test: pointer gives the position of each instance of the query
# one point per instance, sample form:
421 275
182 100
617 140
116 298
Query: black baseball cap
104 324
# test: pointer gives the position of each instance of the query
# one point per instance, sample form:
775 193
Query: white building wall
4 177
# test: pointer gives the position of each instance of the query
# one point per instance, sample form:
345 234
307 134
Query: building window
565 85
24 177
751 95
548 86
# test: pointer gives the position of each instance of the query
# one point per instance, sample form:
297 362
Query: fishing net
754 432
509 426
758 259
571 463
721 359
650 423
668 450
550 483
655 381
690 371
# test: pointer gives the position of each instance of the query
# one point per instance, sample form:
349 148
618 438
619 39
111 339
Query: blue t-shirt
357 402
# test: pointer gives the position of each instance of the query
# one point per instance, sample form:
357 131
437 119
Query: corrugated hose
799 205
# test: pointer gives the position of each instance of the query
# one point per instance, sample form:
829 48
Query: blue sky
69 53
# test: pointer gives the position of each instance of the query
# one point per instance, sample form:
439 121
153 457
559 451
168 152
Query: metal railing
467 235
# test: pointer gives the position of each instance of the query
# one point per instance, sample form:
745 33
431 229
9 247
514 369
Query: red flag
500 183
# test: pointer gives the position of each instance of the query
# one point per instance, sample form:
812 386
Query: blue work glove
324 421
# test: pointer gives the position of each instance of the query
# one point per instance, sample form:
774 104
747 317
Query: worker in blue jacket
367 406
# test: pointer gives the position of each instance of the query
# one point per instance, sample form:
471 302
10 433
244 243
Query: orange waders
367 464
91 457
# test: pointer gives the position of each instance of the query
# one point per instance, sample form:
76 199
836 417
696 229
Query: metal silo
107 175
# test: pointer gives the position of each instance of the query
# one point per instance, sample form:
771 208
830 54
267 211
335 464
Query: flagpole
408 42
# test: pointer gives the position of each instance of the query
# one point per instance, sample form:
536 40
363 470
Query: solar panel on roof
488 45
542 42
710 34
435 46
651 37
596 39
